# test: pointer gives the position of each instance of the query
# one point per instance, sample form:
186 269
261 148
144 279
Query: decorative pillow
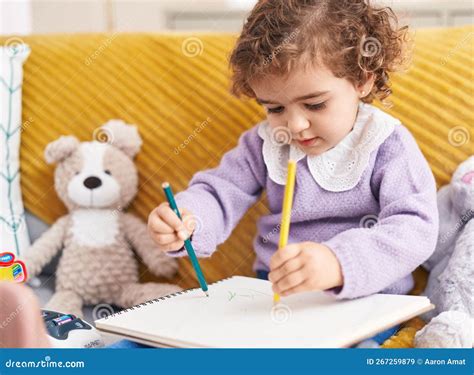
13 231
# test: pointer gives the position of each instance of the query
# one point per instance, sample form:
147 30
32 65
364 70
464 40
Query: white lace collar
339 168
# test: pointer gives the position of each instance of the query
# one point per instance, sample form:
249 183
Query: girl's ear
123 136
60 149
366 87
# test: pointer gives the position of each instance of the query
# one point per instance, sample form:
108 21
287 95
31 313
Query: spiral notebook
239 313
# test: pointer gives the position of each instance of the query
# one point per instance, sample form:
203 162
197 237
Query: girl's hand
304 266
167 230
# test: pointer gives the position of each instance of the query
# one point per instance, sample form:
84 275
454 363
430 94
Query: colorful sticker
6 258
62 319
12 269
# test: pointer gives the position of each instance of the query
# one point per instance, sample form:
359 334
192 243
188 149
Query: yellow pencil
286 212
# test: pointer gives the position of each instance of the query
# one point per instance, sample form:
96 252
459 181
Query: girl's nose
298 123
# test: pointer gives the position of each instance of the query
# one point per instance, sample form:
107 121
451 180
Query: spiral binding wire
155 300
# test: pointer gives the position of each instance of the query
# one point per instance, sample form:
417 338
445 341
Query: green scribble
231 295
252 294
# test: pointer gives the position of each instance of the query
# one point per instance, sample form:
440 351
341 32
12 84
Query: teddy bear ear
123 136
60 149
464 172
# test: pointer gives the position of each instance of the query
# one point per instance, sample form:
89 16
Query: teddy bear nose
92 182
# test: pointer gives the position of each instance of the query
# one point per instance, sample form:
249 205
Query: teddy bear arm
137 235
45 247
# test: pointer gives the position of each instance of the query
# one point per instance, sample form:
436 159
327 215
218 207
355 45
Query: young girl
364 211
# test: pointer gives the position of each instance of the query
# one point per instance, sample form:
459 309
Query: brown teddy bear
96 180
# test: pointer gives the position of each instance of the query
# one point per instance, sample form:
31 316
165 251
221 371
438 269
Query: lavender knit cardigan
397 190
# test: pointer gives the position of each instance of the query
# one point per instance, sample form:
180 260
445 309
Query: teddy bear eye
76 173
108 172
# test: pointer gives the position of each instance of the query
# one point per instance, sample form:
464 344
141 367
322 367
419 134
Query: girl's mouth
308 142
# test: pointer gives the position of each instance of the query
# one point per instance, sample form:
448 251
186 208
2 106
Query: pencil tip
207 294
276 299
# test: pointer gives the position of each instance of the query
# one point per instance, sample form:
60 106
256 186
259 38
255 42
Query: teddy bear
100 242
451 281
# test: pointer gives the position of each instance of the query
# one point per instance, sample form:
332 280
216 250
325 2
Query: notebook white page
240 313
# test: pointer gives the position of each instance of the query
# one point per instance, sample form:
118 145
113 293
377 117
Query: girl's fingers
170 218
286 268
289 282
284 254
165 239
173 246
163 220
302 287
157 225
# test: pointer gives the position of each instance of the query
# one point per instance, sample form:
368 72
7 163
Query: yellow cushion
174 87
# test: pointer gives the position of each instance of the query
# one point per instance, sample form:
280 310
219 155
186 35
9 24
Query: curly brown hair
352 38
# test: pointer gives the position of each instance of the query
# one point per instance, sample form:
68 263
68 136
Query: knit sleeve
405 235
219 197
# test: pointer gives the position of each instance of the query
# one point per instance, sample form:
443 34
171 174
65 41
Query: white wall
49 16
56 16
15 17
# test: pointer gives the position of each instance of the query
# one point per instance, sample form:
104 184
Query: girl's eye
275 110
316 107
107 171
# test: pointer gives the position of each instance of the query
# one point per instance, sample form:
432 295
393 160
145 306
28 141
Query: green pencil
187 243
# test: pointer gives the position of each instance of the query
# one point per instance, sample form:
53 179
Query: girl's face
316 108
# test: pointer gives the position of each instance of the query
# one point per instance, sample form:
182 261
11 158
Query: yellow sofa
174 87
